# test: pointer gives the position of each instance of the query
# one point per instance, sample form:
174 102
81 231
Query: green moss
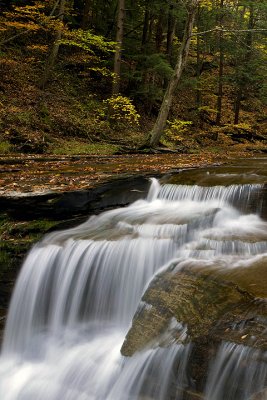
209 307
5 147
23 230
74 147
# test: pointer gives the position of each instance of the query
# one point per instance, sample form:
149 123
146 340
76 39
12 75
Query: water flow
79 289
237 373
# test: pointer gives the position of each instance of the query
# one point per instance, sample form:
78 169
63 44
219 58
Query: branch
133 30
220 29
54 8
15 36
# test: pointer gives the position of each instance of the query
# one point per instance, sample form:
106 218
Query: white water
237 372
79 289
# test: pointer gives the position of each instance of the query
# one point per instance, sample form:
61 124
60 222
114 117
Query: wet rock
207 306
211 309
191 395
119 192
260 395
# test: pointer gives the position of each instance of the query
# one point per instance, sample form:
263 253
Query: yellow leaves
31 18
38 47
51 23
121 111
22 25
176 129
30 9
206 4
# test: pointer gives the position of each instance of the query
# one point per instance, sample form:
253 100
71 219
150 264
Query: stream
80 291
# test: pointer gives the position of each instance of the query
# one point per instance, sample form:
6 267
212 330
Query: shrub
120 112
5 147
176 129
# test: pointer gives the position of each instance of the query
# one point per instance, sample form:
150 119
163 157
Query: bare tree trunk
86 14
160 123
150 28
199 64
119 40
159 33
247 58
221 65
170 32
145 28
237 106
54 51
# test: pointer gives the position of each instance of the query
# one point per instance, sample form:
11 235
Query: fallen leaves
46 173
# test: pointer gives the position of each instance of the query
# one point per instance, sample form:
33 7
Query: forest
104 76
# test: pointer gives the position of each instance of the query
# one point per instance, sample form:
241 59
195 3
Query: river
79 289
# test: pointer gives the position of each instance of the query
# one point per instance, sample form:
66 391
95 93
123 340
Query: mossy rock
207 309
211 309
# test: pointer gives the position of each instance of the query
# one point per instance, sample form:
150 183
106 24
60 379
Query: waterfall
236 373
79 289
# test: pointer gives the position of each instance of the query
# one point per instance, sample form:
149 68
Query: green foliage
148 77
88 41
176 129
95 45
157 63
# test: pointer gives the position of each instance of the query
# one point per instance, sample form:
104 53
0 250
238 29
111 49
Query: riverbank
40 174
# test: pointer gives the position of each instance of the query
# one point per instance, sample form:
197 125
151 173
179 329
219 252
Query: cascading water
238 372
79 289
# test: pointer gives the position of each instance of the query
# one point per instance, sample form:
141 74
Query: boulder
201 308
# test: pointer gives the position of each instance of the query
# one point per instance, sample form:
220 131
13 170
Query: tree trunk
237 106
119 40
247 58
199 65
86 19
170 32
159 33
145 28
150 28
160 123
221 65
54 51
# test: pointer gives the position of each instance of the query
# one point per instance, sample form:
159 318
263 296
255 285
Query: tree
86 14
221 65
119 40
170 31
160 123
245 73
55 47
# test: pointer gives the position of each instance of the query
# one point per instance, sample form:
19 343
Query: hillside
73 112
